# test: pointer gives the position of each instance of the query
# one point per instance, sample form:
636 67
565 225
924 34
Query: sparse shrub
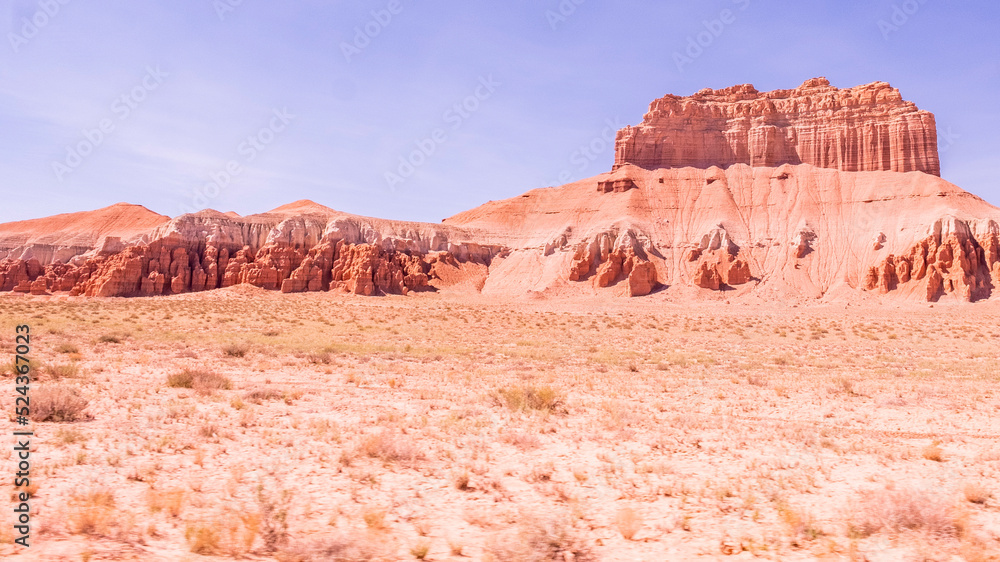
421 550
389 447
522 398
799 523
787 358
209 430
523 440
67 348
68 436
629 522
58 403
91 512
236 350
897 510
843 385
261 394
229 532
273 517
375 519
170 501
68 371
184 379
933 452
537 539
110 338
202 538
757 380
202 381
975 492
322 357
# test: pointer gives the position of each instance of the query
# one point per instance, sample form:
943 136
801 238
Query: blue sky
265 98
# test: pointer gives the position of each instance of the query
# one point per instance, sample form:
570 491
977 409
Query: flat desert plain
247 424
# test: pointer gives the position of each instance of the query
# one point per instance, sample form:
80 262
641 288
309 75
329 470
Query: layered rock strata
866 128
811 193
318 250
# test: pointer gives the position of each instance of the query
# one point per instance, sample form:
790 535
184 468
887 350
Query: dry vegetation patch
58 403
242 424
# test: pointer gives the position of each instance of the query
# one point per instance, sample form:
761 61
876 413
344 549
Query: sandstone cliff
811 193
776 232
298 247
867 128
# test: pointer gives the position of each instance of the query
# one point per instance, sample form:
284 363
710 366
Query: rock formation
296 248
811 193
784 233
867 128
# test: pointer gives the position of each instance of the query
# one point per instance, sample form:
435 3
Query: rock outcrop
811 193
781 233
866 128
956 258
296 248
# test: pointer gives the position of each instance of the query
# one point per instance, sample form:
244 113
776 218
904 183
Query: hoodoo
809 193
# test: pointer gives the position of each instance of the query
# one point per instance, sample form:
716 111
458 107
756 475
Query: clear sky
147 102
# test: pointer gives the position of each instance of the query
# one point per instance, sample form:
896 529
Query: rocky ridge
296 248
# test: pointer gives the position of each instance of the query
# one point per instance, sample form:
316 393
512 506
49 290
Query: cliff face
295 248
811 193
776 233
866 128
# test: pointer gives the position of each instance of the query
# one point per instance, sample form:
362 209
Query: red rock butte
862 129
809 194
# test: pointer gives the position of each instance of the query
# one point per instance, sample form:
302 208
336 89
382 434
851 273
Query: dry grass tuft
975 492
421 550
171 501
523 398
91 512
68 371
933 452
202 381
799 523
59 403
260 394
321 358
629 522
67 348
203 539
375 519
389 447
236 350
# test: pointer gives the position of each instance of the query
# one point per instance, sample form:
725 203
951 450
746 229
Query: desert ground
247 424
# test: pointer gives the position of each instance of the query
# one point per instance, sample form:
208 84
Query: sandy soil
253 425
